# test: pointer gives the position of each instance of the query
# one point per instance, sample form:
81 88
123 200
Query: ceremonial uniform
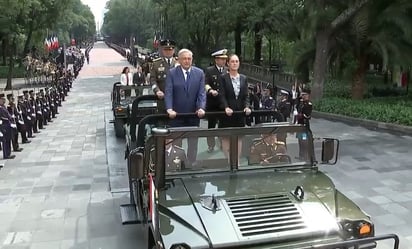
11 108
267 103
304 114
284 105
213 104
6 128
175 158
159 70
21 124
31 113
263 152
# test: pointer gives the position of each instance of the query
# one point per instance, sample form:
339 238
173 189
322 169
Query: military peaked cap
31 91
25 91
220 54
167 43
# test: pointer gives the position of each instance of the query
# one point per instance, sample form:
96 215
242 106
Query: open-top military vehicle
122 99
245 198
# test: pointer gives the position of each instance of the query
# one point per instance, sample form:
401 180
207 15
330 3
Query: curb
369 124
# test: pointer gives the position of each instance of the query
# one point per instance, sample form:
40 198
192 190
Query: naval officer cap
220 54
167 43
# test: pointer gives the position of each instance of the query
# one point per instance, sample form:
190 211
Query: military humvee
121 104
283 201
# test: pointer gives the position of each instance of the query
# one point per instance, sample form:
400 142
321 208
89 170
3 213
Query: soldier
212 79
6 128
267 150
268 103
22 123
304 114
11 108
36 105
284 105
159 71
31 113
175 156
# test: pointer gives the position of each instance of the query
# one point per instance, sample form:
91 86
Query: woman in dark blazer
234 96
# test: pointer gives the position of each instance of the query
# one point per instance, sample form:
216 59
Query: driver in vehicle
175 156
268 149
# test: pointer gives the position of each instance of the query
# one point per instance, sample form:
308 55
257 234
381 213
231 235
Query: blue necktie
187 79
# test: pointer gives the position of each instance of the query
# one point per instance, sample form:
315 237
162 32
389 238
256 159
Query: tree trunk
258 45
4 50
28 40
358 83
238 39
12 52
321 61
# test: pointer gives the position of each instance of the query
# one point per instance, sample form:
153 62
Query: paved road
64 190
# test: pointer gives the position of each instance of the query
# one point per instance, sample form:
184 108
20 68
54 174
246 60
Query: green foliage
18 72
396 110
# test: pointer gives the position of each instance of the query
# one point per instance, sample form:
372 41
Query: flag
155 41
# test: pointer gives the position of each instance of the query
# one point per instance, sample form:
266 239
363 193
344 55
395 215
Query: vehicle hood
253 207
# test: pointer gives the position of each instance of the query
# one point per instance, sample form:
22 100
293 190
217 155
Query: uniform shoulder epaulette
157 59
280 143
309 103
258 143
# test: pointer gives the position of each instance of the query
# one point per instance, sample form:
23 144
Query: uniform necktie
220 70
168 62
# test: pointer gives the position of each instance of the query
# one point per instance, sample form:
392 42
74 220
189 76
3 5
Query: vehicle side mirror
330 148
135 165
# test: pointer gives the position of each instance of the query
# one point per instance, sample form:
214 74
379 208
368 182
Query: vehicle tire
118 128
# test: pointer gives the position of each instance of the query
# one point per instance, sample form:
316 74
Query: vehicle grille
259 215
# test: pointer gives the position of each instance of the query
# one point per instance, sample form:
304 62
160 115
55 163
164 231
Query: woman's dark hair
124 69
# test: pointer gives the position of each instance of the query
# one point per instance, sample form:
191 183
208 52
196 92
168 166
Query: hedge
397 110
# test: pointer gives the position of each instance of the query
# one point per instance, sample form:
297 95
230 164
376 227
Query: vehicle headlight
180 246
357 229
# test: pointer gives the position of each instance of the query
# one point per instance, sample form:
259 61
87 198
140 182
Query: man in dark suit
212 78
185 93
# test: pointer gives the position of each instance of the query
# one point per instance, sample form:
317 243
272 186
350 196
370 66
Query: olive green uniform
158 74
264 153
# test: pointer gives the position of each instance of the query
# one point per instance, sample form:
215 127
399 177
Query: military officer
159 71
284 105
304 114
175 156
212 79
6 128
267 150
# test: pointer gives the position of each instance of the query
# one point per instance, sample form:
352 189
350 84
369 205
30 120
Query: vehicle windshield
126 94
255 147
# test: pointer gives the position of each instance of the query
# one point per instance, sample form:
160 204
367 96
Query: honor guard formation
33 108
